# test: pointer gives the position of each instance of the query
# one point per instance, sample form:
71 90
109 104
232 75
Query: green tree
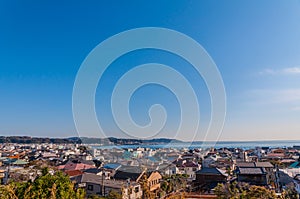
8 192
226 191
111 195
260 192
290 192
147 194
114 195
242 191
46 186
174 183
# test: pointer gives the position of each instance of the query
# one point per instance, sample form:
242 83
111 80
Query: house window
136 189
90 187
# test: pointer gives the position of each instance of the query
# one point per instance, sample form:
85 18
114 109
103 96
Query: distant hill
126 141
36 140
85 140
123 141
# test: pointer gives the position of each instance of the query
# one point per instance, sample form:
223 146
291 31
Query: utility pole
277 180
128 187
103 190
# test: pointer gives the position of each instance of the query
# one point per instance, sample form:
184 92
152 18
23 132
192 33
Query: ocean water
220 144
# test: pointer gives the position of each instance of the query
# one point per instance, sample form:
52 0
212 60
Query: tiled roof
252 171
288 161
93 178
72 173
254 164
214 171
264 164
276 155
75 166
92 170
128 172
190 164
245 164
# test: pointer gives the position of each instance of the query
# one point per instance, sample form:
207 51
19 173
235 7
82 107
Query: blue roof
111 166
153 159
295 165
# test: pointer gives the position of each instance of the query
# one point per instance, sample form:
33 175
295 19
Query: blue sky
255 44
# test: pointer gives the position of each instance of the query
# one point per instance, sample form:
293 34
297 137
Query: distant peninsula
84 140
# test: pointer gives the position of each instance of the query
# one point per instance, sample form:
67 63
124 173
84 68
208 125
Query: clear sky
255 44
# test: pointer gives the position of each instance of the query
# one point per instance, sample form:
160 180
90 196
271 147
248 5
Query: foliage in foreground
174 183
111 195
242 191
46 186
245 191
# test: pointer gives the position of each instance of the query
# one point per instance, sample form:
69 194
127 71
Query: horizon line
267 140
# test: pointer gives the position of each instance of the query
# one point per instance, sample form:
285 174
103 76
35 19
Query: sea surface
219 144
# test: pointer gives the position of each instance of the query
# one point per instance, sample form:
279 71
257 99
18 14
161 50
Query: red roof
281 155
72 173
75 166
190 164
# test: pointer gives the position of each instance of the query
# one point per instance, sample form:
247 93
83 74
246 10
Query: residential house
72 173
154 179
187 166
96 185
253 176
276 154
133 173
210 177
209 161
258 173
190 169
167 169
76 164
293 169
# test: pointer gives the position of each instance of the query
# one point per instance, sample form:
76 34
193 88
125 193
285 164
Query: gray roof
96 179
284 178
128 172
251 171
92 170
245 164
254 164
211 171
